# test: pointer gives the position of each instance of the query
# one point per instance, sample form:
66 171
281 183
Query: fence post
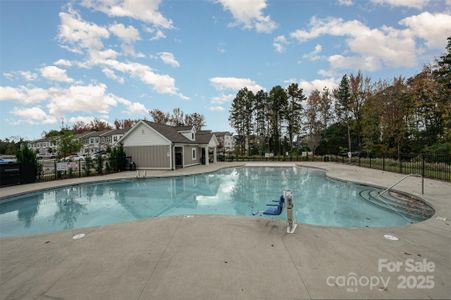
383 161
359 159
400 164
54 168
422 173
370 160
79 168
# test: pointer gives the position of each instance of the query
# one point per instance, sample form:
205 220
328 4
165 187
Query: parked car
7 161
103 153
73 158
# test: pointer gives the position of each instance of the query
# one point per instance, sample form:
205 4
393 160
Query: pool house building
157 146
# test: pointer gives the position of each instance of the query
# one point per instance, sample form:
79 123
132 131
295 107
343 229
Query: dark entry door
178 159
202 158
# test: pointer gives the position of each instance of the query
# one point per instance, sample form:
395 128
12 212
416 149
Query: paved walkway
228 257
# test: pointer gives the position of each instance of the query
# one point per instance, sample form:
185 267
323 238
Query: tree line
404 115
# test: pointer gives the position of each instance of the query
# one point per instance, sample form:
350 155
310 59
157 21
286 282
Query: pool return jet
277 209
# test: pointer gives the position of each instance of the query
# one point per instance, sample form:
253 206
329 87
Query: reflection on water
26 213
69 209
234 191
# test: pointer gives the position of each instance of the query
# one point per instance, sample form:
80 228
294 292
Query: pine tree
342 106
294 110
313 124
261 104
237 116
325 106
442 75
277 106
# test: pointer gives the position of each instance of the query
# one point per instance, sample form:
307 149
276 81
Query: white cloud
27 75
374 47
55 74
249 14
433 28
224 98
111 75
78 34
279 43
96 55
319 84
83 37
142 10
234 84
9 75
83 119
90 99
313 56
368 63
137 108
418 4
23 94
34 115
345 2
169 59
85 98
134 108
63 62
391 46
216 108
157 33
330 26
163 84
128 34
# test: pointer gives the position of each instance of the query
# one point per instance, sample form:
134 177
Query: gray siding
149 157
188 155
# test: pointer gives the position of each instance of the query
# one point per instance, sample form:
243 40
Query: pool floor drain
391 237
78 236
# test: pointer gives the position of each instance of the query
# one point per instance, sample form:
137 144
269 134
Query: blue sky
119 58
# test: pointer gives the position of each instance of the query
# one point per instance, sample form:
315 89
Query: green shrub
118 158
88 165
99 167
29 163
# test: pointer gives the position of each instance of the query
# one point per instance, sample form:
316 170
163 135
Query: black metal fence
426 165
57 169
53 169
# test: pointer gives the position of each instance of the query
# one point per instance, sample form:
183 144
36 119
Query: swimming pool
318 200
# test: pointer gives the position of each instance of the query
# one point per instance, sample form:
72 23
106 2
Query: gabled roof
203 137
95 133
183 128
221 133
90 134
41 140
170 132
173 135
115 131
80 135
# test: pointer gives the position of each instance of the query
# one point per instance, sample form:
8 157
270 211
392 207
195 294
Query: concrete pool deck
231 257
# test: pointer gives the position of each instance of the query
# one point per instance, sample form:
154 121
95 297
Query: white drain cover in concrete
78 236
391 237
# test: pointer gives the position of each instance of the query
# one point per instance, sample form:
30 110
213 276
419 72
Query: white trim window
194 153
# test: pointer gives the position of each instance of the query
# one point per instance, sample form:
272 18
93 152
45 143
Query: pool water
318 200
